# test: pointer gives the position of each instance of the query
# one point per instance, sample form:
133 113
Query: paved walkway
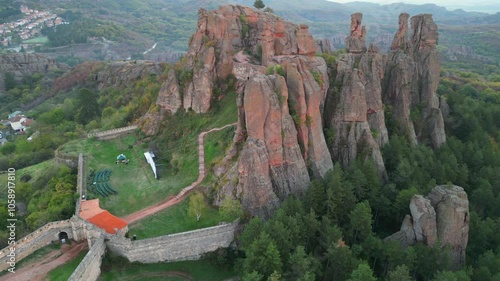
185 191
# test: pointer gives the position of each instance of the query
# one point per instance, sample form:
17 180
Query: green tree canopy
259 4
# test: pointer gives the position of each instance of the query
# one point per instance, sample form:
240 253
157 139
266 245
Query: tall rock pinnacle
411 80
356 41
354 111
401 37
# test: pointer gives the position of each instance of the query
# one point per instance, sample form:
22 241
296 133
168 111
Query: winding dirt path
172 200
38 270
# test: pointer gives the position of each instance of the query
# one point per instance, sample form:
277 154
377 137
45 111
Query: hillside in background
131 28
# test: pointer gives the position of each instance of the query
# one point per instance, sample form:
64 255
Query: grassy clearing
37 40
35 171
216 145
177 158
134 182
63 272
199 270
173 220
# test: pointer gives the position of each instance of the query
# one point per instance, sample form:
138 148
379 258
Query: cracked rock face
411 80
354 111
443 215
21 64
355 43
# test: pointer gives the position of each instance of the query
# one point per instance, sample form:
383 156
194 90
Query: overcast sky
468 5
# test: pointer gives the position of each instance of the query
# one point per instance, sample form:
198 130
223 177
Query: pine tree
259 4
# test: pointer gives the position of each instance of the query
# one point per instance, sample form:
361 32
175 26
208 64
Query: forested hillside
298 115
336 231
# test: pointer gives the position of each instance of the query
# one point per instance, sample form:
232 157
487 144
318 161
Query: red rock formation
355 43
412 76
354 111
324 46
270 162
169 97
443 215
400 41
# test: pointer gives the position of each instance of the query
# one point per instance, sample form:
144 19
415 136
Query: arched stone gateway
63 236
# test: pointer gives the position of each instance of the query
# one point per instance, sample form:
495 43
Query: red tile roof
108 222
91 212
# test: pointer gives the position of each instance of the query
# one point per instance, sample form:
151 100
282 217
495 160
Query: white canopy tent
149 158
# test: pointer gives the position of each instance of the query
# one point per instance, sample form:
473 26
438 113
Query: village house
18 122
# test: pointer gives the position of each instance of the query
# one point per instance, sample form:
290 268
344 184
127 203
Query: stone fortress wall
90 267
39 238
190 245
113 133
80 183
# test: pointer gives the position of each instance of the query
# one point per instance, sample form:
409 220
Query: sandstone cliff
225 36
402 83
20 64
285 99
354 106
125 73
443 215
411 80
279 143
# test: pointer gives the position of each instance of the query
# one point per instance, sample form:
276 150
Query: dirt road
38 270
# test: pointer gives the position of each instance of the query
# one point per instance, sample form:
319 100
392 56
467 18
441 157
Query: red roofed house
91 212
19 123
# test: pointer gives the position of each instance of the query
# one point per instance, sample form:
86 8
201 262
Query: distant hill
137 25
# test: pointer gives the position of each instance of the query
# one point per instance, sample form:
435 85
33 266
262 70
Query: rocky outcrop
122 74
285 101
21 64
169 97
280 126
443 215
455 52
279 143
324 46
354 111
400 41
355 43
412 76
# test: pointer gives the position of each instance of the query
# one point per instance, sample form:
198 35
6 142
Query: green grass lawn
64 271
177 158
216 145
35 171
173 220
201 270
37 40
135 183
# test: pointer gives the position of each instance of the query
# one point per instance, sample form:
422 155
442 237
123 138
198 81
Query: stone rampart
69 160
35 240
89 268
80 183
114 133
189 245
